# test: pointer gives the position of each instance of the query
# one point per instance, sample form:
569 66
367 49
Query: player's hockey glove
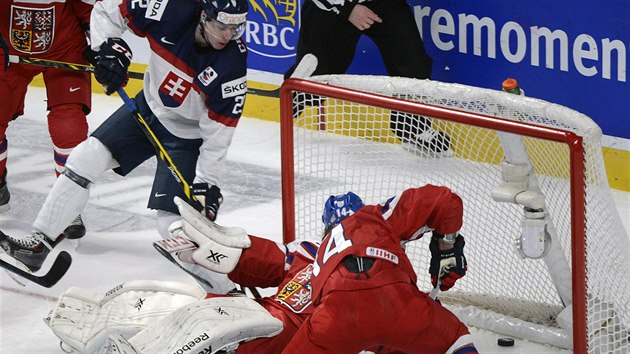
447 265
210 197
111 67
4 55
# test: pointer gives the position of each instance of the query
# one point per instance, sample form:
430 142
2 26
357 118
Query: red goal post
340 139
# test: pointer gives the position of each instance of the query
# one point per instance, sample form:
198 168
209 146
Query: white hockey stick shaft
306 67
435 291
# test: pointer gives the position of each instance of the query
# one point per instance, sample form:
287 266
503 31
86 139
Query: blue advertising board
574 53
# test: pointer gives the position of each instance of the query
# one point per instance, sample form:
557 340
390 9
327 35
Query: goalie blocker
135 317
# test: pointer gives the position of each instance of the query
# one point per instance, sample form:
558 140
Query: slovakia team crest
31 30
174 90
296 294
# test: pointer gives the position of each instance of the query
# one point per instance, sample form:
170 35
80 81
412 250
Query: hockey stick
90 69
161 246
54 274
63 65
161 152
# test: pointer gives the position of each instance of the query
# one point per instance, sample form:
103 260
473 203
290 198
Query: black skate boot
417 135
30 250
75 230
4 193
434 141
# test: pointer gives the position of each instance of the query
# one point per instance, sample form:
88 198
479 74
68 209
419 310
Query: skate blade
17 264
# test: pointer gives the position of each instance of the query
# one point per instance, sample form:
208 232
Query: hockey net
336 137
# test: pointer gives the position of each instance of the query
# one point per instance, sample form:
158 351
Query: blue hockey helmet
339 207
227 12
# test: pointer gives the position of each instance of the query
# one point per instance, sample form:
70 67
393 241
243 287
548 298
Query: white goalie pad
206 327
117 344
198 228
83 319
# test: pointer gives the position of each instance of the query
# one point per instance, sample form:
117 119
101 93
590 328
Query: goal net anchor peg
534 240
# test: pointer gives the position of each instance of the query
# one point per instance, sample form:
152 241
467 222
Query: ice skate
75 230
4 194
31 250
431 143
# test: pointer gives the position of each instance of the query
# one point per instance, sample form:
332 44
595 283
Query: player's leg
399 41
13 85
418 324
339 315
117 142
65 201
331 39
403 52
69 100
184 154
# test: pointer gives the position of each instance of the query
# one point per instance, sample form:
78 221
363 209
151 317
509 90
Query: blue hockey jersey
195 92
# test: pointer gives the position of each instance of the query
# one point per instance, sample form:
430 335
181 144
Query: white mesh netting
341 146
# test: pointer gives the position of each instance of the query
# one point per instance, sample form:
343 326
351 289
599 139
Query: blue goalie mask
339 207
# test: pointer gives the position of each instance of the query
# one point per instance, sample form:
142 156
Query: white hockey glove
206 326
83 319
219 247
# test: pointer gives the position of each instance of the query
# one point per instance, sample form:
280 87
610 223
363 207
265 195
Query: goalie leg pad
208 326
117 344
83 319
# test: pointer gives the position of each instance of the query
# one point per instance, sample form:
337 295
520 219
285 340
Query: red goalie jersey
289 267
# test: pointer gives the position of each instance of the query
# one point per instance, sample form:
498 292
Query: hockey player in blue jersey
192 98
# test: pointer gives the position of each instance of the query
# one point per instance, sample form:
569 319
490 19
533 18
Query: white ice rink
118 247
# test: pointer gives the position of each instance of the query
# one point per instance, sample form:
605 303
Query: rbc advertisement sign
272 34
574 53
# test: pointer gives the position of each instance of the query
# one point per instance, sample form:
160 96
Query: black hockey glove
447 265
110 70
210 197
90 55
4 56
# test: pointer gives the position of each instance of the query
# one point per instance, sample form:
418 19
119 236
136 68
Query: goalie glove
448 265
113 60
219 248
210 197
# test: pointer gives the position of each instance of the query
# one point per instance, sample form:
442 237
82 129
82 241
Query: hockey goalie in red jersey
364 286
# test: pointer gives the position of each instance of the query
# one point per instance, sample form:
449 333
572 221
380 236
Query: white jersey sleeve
106 21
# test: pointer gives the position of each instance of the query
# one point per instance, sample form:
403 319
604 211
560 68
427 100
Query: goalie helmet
339 207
